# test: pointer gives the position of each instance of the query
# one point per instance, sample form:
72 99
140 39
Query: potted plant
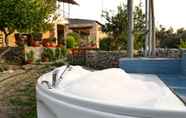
48 55
36 39
52 42
30 57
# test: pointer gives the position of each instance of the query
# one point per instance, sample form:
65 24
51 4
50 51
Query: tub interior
115 86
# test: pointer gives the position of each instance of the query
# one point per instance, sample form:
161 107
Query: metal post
150 28
68 10
130 29
63 10
147 27
153 30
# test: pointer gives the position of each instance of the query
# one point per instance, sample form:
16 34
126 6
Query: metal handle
47 83
54 75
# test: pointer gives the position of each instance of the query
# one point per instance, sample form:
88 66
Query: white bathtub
53 103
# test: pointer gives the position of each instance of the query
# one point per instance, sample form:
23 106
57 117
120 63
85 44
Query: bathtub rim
109 108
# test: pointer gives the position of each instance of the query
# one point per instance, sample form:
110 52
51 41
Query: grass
18 93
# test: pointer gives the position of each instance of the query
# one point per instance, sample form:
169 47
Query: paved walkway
177 83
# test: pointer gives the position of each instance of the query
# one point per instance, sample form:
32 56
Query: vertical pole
153 30
63 10
150 28
147 27
68 10
130 29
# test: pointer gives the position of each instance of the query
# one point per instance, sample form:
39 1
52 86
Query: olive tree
25 15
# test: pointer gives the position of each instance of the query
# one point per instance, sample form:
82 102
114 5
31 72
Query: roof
69 1
82 21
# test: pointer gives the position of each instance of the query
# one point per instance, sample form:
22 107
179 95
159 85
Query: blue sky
167 12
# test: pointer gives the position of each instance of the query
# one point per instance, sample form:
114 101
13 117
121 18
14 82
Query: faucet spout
54 78
55 73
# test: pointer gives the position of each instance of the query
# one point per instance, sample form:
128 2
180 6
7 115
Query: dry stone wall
104 59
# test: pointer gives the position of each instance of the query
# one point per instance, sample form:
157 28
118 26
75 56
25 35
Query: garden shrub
63 52
71 43
53 54
30 56
57 53
182 44
105 44
73 40
48 55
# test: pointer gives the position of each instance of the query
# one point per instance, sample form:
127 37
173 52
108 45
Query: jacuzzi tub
61 103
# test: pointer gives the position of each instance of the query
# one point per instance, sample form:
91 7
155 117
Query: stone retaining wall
13 55
107 59
169 53
104 59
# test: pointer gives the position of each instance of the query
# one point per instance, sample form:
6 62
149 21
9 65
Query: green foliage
54 54
116 26
25 15
75 35
105 44
36 36
182 44
63 52
168 38
30 56
92 40
73 40
48 54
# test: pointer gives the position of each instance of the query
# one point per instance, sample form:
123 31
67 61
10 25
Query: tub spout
54 76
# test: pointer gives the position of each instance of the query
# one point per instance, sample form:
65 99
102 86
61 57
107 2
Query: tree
116 26
168 38
25 15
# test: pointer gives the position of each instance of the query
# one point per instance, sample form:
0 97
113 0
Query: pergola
150 42
73 2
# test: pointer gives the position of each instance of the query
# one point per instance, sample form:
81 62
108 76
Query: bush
30 56
75 35
73 40
182 44
48 54
60 53
53 54
36 36
105 44
71 43
63 52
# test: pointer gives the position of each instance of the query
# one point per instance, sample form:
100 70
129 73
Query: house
87 29
59 31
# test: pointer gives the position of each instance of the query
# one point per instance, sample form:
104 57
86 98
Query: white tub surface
116 87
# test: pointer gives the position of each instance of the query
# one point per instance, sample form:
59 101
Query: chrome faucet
54 75
54 78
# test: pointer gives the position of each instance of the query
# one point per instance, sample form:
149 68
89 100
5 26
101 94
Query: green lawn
17 92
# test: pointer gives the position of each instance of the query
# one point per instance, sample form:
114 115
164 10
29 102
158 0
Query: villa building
87 29
63 25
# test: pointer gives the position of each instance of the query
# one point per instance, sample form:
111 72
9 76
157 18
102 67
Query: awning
69 1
